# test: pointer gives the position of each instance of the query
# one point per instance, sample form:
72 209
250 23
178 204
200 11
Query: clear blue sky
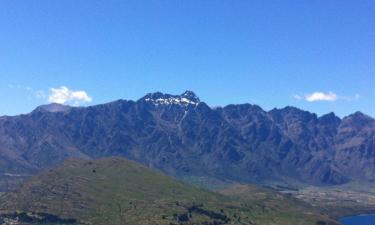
272 53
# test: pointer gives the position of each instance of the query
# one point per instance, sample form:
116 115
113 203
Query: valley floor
338 201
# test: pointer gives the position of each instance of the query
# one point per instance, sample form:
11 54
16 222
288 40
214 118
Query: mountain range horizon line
56 107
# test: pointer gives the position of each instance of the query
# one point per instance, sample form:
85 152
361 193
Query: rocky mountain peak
158 98
329 118
359 120
191 96
360 116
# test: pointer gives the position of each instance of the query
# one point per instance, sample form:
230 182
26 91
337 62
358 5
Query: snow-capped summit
191 96
158 98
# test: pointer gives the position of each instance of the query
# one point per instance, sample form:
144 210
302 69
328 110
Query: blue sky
318 55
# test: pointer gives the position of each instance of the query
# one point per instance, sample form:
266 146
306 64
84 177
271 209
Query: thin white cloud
21 87
298 97
64 95
351 98
324 96
321 96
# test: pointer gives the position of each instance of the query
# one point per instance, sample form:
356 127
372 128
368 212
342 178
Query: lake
358 220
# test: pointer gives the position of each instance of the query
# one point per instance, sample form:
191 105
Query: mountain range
186 138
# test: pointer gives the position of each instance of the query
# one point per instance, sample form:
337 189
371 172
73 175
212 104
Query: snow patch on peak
187 98
172 100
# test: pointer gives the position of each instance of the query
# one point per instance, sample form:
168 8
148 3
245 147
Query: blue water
359 220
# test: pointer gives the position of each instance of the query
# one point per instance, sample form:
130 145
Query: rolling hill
118 191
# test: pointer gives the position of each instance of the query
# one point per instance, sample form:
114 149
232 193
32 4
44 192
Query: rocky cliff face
183 136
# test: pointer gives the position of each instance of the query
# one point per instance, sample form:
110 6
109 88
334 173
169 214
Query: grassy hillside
117 191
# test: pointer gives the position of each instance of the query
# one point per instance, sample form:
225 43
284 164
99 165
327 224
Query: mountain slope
184 137
118 191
